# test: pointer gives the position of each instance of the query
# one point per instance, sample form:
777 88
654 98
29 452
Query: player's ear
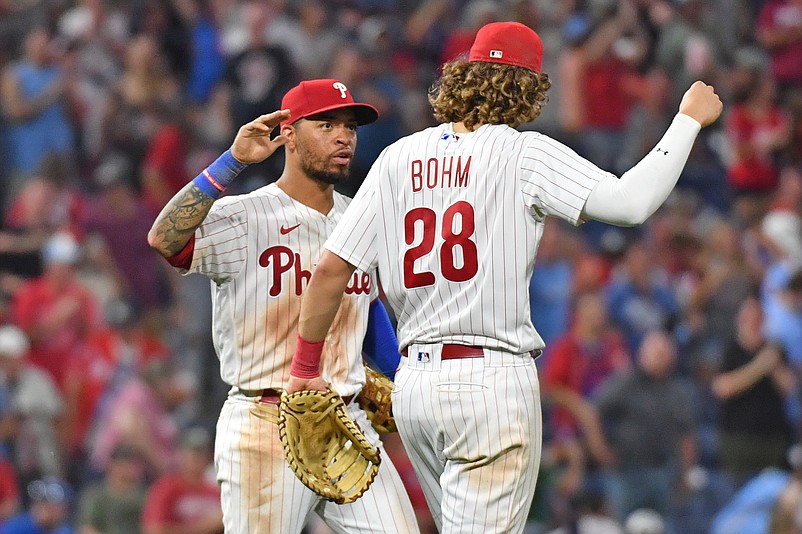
288 131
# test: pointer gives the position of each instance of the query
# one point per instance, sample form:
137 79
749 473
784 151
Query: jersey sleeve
354 238
221 242
555 180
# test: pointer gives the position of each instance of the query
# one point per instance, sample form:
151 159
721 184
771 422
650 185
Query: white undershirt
631 199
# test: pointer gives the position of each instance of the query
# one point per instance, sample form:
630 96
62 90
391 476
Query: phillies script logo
282 260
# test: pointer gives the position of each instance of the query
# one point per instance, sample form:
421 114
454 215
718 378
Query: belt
273 396
458 352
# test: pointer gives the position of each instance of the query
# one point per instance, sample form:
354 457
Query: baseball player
259 249
452 216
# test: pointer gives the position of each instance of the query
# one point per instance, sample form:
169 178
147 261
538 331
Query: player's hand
701 103
253 143
298 384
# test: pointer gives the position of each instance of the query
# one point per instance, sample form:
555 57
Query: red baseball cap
311 97
511 43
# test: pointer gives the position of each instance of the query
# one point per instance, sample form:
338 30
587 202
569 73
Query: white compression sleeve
634 197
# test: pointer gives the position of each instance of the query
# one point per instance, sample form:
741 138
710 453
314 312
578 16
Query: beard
326 176
317 169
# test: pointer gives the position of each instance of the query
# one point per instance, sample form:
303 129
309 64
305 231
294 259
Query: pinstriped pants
473 431
261 495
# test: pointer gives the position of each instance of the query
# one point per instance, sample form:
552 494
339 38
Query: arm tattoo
179 219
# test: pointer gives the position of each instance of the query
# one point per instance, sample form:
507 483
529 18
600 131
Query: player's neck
311 193
459 127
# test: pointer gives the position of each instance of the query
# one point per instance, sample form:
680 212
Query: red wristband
306 362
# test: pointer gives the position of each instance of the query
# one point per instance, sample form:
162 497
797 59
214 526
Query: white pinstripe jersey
453 222
259 250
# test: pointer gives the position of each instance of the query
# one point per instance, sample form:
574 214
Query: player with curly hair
452 217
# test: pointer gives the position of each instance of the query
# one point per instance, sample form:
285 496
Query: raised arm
634 197
185 212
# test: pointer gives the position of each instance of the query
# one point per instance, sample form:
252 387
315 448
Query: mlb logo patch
496 54
423 357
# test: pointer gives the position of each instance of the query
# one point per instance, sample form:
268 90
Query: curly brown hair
481 92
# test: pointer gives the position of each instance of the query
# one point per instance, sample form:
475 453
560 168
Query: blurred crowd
672 377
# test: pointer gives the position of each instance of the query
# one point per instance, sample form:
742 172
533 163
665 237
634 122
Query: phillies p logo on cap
342 88
311 97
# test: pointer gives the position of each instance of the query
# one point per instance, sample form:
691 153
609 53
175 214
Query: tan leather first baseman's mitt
325 448
376 402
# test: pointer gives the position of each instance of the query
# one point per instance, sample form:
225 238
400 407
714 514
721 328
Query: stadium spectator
648 414
690 46
32 92
143 92
550 290
140 415
35 408
788 195
9 490
94 35
310 38
47 202
117 209
757 128
574 367
49 500
725 280
56 310
754 433
114 504
476 14
101 366
607 63
258 73
784 320
779 30
639 297
751 507
781 233
202 21
163 171
187 500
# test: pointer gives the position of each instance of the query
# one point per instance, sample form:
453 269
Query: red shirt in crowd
756 172
172 501
607 96
786 60
95 364
71 307
581 368
166 155
9 488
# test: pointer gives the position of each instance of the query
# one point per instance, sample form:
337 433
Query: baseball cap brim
364 113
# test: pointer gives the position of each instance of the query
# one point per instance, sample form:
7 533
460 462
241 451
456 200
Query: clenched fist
701 102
